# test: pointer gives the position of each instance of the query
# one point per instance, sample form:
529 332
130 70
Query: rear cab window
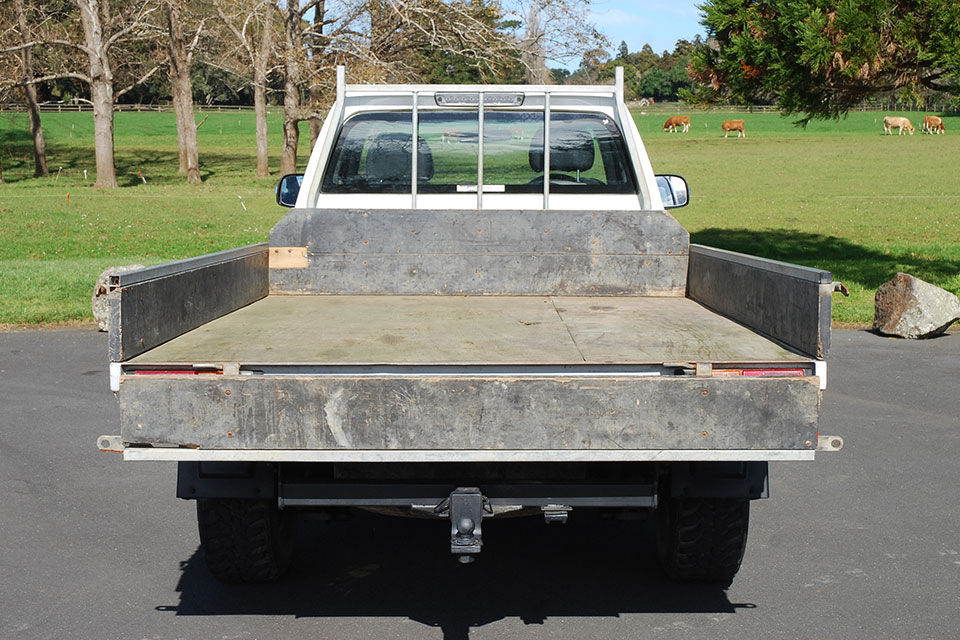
373 153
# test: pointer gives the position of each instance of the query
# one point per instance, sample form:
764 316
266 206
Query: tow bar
465 507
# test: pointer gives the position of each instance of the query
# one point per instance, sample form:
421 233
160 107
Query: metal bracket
556 513
110 444
829 443
465 507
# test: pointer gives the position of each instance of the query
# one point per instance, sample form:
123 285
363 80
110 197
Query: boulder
101 307
911 308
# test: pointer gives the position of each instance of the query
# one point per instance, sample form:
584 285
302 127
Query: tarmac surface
862 543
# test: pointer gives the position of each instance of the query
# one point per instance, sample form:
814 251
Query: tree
180 57
410 40
30 92
822 57
532 56
251 23
592 65
92 54
559 76
623 51
655 83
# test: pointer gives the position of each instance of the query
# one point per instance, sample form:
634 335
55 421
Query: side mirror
673 191
288 189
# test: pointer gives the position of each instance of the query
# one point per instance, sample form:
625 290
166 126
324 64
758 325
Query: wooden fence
657 108
676 108
80 107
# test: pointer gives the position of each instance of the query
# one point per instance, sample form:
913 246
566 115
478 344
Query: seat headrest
389 159
571 149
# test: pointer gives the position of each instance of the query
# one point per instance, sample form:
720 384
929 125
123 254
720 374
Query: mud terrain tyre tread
703 539
245 541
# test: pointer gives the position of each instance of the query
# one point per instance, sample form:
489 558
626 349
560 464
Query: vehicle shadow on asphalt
377 566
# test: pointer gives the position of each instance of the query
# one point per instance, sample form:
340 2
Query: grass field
838 195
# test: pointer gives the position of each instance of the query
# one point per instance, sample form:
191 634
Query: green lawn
839 195
53 249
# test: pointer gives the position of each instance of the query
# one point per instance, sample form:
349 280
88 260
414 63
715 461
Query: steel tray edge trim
170 268
511 455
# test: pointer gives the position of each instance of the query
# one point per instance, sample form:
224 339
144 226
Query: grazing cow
932 124
733 125
675 122
896 122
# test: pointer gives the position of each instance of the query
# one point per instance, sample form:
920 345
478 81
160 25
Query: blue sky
637 22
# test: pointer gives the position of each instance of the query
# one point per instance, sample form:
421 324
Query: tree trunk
101 91
316 60
261 62
182 92
291 90
260 111
291 129
181 146
101 94
39 145
315 125
30 96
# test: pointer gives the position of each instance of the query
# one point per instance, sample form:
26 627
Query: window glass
452 138
587 155
373 153
507 137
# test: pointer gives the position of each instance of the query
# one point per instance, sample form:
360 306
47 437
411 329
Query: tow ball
466 508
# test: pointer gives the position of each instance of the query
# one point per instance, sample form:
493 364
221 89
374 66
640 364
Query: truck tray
413 330
408 378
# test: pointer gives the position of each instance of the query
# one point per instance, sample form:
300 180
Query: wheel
702 539
245 541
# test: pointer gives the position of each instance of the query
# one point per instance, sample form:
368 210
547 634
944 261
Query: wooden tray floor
469 330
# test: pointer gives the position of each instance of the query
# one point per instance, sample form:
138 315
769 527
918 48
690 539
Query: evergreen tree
822 57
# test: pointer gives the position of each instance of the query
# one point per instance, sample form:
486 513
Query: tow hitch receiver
466 507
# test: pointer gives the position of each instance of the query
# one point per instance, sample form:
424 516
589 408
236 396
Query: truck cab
479 147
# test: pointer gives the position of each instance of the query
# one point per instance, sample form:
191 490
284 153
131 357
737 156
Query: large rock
911 308
101 307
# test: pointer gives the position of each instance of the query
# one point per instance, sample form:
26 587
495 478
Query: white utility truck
499 319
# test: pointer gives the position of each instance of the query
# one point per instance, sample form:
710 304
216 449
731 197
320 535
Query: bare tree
317 54
382 40
293 33
30 92
252 26
533 60
104 32
180 55
555 29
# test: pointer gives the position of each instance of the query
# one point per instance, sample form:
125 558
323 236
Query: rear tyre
245 541
702 539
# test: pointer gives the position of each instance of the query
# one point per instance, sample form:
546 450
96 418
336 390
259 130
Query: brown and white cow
677 122
897 122
932 124
733 125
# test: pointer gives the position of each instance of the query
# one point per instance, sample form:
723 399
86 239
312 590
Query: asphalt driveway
864 543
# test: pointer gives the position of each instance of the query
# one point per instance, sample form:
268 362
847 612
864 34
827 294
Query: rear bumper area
323 418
